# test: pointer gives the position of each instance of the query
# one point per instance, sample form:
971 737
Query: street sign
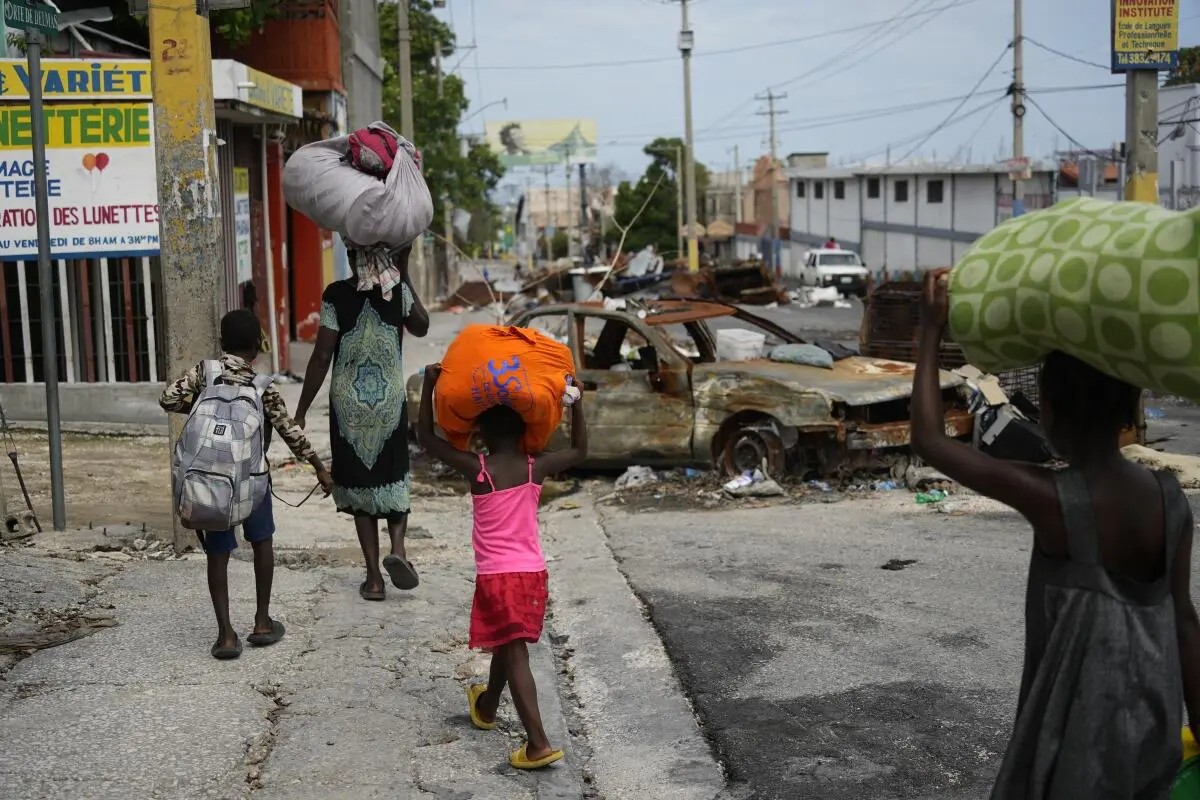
27 16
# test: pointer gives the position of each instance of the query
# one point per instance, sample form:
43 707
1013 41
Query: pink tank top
505 532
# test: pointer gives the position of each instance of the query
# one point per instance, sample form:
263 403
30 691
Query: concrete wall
89 407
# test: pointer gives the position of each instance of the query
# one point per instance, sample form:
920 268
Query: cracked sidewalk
360 700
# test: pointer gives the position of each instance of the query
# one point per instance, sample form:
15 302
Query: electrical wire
958 108
1067 56
1069 137
975 135
979 109
629 62
478 74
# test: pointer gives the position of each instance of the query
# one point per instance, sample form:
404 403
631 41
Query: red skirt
508 607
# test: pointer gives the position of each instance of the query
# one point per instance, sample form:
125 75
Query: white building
909 217
1179 132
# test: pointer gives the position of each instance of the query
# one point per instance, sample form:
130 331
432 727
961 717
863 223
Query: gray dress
1101 703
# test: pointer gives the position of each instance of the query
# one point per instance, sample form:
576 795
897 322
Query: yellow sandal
519 760
473 693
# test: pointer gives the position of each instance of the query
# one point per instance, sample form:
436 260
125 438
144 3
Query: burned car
655 393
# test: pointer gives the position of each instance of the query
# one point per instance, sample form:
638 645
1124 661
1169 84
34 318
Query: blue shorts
258 527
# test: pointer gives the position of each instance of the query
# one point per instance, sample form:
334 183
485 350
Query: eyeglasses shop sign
103 191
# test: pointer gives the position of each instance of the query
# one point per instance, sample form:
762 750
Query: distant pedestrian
831 244
241 341
363 323
1112 640
510 584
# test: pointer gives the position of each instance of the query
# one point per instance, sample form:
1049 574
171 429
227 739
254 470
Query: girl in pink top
510 584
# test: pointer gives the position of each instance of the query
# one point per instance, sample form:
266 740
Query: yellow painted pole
190 237
1141 135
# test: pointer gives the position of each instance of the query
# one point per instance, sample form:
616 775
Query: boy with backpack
221 478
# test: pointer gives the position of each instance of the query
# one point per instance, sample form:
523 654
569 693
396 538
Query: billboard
102 180
535 142
1145 35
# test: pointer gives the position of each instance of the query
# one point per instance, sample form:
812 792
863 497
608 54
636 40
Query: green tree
465 178
658 223
234 27
1188 70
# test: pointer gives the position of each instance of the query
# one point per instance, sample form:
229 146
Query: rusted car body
655 394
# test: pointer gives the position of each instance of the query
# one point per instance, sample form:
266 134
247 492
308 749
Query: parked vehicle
839 268
655 394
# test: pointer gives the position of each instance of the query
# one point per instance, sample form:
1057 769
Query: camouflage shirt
182 393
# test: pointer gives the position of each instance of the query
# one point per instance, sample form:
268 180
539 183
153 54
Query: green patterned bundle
1114 284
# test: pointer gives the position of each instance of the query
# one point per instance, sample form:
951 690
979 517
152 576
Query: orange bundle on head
491 365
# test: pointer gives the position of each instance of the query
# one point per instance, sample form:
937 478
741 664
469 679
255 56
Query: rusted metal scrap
749 283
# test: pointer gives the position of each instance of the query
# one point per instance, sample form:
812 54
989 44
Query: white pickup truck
842 269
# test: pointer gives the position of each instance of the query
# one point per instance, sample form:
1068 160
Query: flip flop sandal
519 760
226 653
367 594
401 572
269 638
473 693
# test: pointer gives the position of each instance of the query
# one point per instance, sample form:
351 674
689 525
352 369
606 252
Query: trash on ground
689 472
1185 467
897 564
1004 432
951 507
636 476
885 486
931 497
921 479
753 484
820 486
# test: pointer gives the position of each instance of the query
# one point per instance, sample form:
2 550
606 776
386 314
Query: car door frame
667 423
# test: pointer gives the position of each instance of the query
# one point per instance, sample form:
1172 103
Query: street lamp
502 101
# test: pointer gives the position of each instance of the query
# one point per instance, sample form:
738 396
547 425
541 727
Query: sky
553 59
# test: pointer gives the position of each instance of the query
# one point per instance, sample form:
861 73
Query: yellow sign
543 141
78 79
1145 35
273 94
110 125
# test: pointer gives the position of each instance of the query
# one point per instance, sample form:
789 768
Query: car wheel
751 446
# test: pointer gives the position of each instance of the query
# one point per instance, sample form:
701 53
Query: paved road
817 673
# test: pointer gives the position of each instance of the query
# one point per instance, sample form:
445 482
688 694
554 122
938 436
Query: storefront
254 112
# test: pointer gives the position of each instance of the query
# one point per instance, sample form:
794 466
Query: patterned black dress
368 414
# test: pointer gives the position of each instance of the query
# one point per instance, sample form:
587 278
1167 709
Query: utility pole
679 201
569 214
1141 135
530 232
189 209
1018 111
686 42
549 218
771 113
404 48
737 177
585 229
447 206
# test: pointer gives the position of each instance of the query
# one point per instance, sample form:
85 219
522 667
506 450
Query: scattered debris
1185 467
753 484
897 564
636 476
923 479
931 497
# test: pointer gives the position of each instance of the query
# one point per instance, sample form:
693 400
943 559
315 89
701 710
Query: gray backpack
220 469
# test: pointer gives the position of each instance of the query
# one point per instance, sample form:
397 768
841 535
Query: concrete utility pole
1141 135
447 206
771 113
679 202
530 230
549 218
420 273
569 215
686 42
189 211
737 178
1018 110
585 229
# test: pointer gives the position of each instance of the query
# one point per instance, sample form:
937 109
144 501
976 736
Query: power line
1067 56
874 27
628 62
834 120
1070 138
958 108
979 109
